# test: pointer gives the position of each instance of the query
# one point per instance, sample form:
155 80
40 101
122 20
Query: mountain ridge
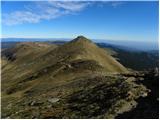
74 80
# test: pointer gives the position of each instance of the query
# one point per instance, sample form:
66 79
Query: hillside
74 80
133 59
144 59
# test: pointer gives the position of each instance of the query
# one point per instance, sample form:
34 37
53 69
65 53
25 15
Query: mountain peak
81 39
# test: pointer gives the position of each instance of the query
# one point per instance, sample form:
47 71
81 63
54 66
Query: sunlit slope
28 59
83 49
53 80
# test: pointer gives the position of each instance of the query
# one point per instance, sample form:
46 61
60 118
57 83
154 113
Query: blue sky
130 21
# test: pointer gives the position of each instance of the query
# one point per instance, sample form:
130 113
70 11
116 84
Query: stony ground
88 97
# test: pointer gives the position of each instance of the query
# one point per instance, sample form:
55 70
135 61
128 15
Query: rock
9 105
129 95
8 117
49 106
131 79
148 90
16 112
68 66
35 103
53 100
141 78
144 94
32 103
45 70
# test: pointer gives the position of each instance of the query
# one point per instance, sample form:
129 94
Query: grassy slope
40 72
30 59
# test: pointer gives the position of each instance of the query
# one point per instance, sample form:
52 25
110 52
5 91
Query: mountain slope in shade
74 80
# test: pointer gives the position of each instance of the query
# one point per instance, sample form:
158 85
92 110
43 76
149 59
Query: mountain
133 59
10 44
5 45
122 44
75 80
126 56
76 50
132 45
82 48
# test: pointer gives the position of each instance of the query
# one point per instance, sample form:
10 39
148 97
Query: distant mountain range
129 57
127 45
134 59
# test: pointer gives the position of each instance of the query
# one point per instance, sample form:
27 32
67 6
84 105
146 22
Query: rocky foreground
118 96
148 107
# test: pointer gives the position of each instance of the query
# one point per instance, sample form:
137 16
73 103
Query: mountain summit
80 48
83 48
81 38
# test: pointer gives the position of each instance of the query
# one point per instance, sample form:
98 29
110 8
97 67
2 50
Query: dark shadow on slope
148 107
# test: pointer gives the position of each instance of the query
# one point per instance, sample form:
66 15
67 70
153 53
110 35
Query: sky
127 21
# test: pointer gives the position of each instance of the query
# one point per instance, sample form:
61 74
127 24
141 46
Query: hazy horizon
137 45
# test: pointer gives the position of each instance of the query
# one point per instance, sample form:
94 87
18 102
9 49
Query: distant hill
122 44
10 44
5 45
136 60
79 48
